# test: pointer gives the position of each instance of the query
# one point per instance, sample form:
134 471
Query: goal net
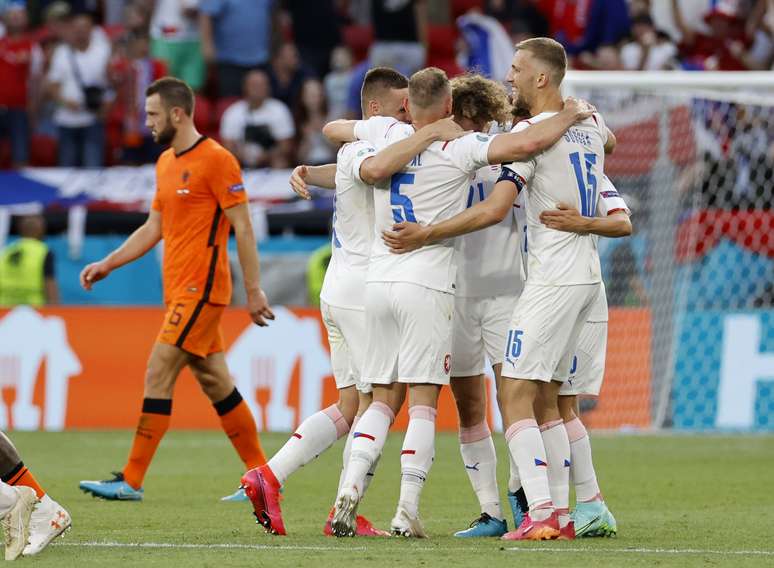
691 332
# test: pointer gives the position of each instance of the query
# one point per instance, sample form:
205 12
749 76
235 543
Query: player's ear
542 80
373 107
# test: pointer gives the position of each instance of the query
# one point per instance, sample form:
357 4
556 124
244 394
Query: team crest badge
186 175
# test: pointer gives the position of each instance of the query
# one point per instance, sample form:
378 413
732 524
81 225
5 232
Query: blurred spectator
720 49
258 129
27 267
400 34
760 28
56 20
130 73
588 25
487 46
337 82
135 19
315 32
650 49
287 75
20 61
237 36
77 82
175 39
311 116
523 16
354 109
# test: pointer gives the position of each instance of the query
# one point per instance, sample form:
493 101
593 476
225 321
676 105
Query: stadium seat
220 107
203 115
442 52
358 39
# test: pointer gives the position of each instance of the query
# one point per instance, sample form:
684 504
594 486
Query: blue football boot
115 489
484 526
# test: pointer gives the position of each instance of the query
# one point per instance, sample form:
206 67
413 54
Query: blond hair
428 86
550 52
479 99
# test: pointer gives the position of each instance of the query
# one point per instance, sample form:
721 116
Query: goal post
695 161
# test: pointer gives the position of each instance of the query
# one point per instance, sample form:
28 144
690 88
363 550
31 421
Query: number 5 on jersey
402 207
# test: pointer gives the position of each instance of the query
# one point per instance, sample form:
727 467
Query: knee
471 410
348 404
159 381
567 408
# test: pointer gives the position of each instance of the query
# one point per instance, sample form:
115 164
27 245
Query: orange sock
239 425
153 424
20 475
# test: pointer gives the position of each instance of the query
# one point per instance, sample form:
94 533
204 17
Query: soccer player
30 518
591 516
199 197
409 300
489 278
563 281
342 299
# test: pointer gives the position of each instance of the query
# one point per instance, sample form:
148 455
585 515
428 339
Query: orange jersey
192 190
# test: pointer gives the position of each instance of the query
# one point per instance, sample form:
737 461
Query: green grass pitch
679 501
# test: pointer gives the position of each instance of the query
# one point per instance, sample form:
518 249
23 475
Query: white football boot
405 525
16 522
49 520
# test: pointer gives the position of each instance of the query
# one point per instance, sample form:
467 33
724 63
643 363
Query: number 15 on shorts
513 345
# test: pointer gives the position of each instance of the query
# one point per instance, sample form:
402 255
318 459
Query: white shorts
408 334
480 328
346 336
588 364
544 329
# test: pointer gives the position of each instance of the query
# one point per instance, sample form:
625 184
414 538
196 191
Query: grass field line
314 548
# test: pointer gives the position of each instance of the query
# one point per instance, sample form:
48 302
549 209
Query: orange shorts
193 326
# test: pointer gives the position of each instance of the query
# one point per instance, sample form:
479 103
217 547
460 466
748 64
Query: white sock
582 467
529 454
315 435
367 444
558 453
514 481
346 453
8 498
416 457
480 460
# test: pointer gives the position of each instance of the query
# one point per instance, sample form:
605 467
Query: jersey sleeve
375 129
518 172
610 200
364 150
470 152
226 182
597 117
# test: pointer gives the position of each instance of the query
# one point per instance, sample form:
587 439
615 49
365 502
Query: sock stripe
408 452
157 406
297 435
229 403
13 473
364 435
16 478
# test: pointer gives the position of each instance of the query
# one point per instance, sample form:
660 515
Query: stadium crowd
268 74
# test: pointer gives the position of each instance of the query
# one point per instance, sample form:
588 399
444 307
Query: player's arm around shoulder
139 242
526 143
318 176
406 237
340 131
568 219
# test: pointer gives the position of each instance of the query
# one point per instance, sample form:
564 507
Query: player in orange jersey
199 197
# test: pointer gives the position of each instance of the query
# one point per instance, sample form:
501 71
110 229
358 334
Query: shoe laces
483 519
117 476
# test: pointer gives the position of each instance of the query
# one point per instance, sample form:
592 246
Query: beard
166 136
521 108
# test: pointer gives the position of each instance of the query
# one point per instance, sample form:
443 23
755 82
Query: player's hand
445 129
94 272
565 218
298 182
259 309
581 109
405 237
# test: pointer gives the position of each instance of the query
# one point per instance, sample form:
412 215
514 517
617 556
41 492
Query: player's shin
582 468
528 452
239 425
315 435
480 460
416 457
558 453
367 444
153 424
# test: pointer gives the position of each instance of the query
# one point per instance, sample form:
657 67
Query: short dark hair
377 80
550 52
173 93
427 86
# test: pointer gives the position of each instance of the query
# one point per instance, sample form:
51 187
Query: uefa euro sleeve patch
236 188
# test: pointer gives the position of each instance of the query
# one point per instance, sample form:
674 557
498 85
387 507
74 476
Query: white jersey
353 221
567 172
488 263
428 190
609 201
